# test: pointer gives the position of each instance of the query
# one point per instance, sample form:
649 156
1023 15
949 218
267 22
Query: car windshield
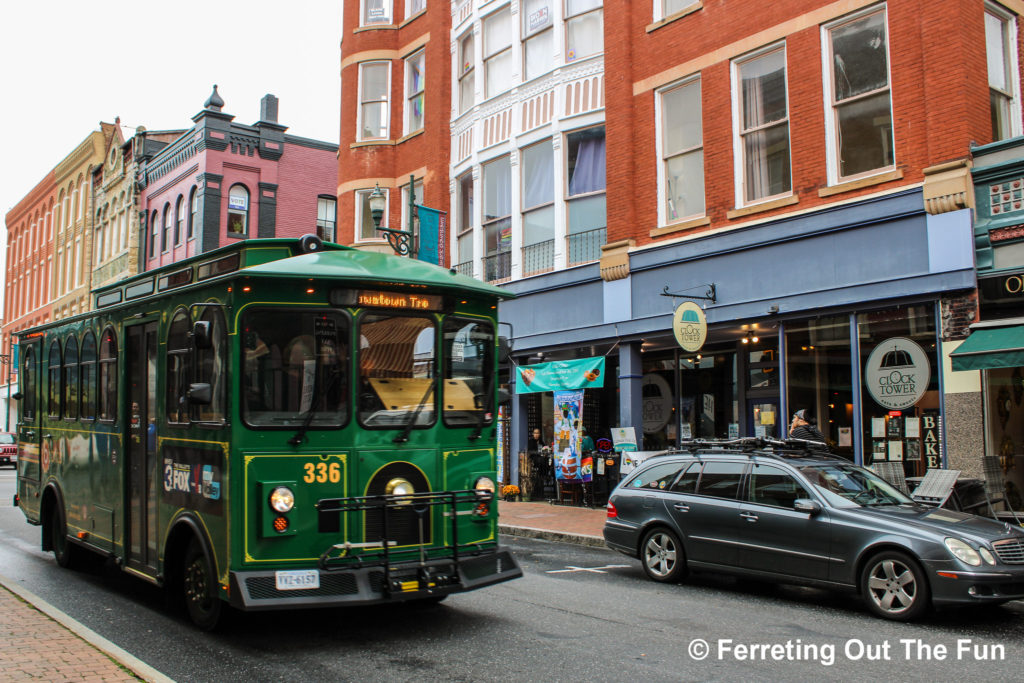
6 438
847 485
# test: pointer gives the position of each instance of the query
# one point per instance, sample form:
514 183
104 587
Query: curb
556 536
122 657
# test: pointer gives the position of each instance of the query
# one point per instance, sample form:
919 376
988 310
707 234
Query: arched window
99 237
88 376
211 367
179 226
71 379
193 212
54 389
238 211
178 368
168 217
108 375
155 238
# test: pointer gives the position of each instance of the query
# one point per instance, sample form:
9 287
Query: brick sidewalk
583 526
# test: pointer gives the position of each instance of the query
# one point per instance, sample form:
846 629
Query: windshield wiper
318 399
404 436
486 408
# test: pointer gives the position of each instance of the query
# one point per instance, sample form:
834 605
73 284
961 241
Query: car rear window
657 477
721 479
688 482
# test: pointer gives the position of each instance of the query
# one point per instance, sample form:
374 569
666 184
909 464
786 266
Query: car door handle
681 507
749 516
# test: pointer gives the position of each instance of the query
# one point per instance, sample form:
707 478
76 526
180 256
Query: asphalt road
578 614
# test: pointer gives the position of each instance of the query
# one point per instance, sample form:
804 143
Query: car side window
687 483
770 485
657 477
721 479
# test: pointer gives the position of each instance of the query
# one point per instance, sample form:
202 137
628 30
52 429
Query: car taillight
612 512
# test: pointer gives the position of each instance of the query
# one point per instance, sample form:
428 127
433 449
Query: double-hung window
682 151
365 228
763 118
584 28
585 171
538 170
860 102
464 246
376 12
414 7
1001 50
374 111
497 223
498 66
238 211
538 38
414 92
467 81
666 8
326 218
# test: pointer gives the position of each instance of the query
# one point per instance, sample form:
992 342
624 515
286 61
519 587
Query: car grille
1010 551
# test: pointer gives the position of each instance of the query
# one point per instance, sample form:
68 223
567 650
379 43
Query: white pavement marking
596 570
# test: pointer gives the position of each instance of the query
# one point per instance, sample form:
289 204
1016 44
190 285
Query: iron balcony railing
464 268
586 246
539 257
498 266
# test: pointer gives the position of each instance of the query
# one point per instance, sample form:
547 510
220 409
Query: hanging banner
432 236
560 375
569 462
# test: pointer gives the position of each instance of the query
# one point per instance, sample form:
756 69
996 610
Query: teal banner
433 235
560 375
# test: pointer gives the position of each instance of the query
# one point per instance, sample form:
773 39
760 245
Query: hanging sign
690 326
560 375
897 373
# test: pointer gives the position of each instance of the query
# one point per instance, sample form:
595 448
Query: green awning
991 347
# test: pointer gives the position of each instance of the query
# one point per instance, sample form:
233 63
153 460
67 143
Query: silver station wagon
786 512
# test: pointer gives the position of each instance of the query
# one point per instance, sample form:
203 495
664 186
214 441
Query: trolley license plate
297 580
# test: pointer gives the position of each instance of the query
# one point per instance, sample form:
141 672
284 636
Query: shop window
238 211
587 224
179 376
108 375
466 73
497 226
326 218
374 108
498 65
763 135
584 28
538 38
88 377
682 151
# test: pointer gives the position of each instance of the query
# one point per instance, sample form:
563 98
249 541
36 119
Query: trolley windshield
397 370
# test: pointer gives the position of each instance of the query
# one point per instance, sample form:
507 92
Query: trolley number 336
322 473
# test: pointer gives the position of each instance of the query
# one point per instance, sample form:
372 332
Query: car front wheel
662 555
894 586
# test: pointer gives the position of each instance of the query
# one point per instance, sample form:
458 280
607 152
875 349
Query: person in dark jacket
802 427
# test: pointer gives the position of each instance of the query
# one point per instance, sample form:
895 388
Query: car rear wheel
662 556
894 586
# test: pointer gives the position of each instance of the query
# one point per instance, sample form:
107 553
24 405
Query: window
414 92
108 375
365 228
1001 50
88 377
468 373
178 355
376 12
687 483
467 84
193 212
155 236
720 479
414 7
587 225
658 477
179 226
682 151
373 100
55 392
670 7
497 225
211 368
397 376
584 28
168 218
860 123
418 190
538 171
326 218
238 211
498 65
538 38
28 380
770 485
71 379
763 126
464 248
99 237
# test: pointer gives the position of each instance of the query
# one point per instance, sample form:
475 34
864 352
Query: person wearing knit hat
802 427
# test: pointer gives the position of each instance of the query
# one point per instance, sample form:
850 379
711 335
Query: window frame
466 216
360 218
386 21
323 225
177 379
193 212
661 13
410 67
491 59
568 19
547 26
363 103
165 228
665 156
1011 66
88 390
107 403
238 212
466 72
70 381
179 222
447 369
410 12
55 381
357 325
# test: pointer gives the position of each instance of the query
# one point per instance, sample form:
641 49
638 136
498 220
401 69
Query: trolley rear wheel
199 588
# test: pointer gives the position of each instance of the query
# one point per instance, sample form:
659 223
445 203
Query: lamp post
400 240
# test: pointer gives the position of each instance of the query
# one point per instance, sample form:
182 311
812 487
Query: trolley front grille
265 587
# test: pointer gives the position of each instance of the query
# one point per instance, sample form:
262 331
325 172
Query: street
577 614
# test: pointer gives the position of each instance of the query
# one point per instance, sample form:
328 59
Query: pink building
223 181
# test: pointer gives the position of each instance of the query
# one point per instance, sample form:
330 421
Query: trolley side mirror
17 395
201 334
200 393
504 349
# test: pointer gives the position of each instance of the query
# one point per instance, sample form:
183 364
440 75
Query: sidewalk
39 642
582 526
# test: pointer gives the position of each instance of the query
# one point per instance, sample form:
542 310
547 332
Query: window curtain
755 143
589 173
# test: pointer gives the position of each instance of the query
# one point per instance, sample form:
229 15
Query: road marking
596 570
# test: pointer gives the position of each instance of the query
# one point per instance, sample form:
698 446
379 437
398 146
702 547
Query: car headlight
282 499
963 552
986 555
484 487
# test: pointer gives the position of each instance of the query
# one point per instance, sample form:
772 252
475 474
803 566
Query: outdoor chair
893 473
935 487
996 492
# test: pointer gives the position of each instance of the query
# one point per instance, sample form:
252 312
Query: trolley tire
199 588
65 551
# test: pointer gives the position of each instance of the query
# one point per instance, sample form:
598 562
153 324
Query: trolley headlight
986 555
484 487
282 499
963 552
400 487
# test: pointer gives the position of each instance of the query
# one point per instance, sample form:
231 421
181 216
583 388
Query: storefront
855 335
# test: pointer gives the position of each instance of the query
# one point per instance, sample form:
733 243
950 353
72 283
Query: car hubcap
892 586
660 555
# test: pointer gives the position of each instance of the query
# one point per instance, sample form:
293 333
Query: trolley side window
108 375
468 372
28 381
88 376
71 379
54 389
211 368
179 375
397 375
295 366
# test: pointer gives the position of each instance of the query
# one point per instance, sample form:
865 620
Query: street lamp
398 239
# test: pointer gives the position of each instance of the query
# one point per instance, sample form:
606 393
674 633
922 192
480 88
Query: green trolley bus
273 424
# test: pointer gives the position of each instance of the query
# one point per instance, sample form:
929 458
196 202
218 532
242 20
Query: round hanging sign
690 326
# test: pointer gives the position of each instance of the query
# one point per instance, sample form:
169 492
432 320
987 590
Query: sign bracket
710 295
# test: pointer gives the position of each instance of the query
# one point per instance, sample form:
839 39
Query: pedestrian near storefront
802 427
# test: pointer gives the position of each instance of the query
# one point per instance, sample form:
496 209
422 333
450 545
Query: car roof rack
757 445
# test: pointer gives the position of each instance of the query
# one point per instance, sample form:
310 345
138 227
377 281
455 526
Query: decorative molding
615 260
948 187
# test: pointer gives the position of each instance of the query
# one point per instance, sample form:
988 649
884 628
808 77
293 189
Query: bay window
374 109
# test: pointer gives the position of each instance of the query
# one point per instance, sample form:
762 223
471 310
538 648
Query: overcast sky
66 65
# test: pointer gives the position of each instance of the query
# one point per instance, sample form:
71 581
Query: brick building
220 181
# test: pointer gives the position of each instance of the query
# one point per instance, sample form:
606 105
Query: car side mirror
200 393
811 507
